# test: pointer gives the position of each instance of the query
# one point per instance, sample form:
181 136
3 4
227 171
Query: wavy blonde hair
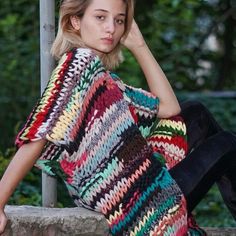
67 37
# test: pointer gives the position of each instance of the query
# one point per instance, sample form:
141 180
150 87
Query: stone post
47 35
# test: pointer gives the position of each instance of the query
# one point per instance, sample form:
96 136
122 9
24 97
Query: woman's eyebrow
103 10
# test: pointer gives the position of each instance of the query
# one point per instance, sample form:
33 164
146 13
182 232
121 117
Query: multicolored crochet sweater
105 142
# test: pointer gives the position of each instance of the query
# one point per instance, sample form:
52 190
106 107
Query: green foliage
212 212
26 194
4 160
177 32
19 64
28 191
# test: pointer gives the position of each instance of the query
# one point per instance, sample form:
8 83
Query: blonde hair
67 37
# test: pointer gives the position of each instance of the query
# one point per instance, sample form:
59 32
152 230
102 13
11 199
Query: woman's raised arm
22 162
156 79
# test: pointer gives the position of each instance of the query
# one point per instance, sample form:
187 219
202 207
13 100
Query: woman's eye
120 21
100 17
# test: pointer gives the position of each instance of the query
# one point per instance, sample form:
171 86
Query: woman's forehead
118 6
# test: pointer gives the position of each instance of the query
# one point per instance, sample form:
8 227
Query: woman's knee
192 106
197 113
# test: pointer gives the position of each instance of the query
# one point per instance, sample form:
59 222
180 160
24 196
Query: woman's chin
102 51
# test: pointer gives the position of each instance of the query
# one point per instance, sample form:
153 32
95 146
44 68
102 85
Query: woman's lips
108 40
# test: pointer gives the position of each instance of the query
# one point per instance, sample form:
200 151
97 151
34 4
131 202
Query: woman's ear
75 22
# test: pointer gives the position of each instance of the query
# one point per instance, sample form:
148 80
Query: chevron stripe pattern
105 142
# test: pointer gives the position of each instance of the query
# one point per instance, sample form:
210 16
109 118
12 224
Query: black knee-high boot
199 121
200 126
205 165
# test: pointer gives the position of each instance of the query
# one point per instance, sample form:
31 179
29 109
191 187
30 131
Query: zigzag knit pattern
104 142
169 139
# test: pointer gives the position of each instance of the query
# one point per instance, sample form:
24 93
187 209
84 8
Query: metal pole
47 35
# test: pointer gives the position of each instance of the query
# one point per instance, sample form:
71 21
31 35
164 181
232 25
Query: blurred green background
193 40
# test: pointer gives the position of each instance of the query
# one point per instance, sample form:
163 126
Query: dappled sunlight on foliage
194 42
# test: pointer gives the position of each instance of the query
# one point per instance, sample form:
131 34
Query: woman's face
103 25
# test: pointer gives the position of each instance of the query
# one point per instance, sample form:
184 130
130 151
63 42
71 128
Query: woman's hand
134 40
3 221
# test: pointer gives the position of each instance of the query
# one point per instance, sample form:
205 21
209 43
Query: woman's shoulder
80 59
81 54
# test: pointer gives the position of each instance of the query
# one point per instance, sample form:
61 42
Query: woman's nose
110 26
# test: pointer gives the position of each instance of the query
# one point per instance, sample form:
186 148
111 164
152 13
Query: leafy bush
19 64
212 211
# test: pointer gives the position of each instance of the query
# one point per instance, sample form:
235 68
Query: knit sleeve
143 105
57 111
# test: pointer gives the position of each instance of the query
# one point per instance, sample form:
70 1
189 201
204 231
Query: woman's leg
214 158
201 125
199 122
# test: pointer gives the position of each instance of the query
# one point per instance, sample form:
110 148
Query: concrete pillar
47 35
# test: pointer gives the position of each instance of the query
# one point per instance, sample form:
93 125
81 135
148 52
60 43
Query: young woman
102 136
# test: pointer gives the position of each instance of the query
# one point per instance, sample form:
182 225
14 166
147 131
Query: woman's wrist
2 207
141 52
3 201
